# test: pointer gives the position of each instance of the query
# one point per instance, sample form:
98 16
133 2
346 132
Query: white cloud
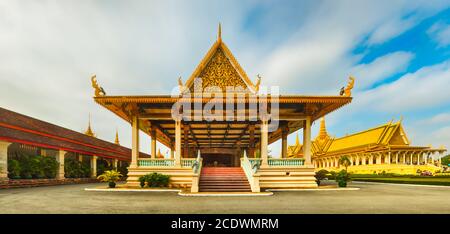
424 89
390 29
318 58
381 68
440 32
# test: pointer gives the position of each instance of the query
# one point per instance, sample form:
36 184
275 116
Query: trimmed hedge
24 166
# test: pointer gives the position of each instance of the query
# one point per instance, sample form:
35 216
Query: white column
4 160
418 158
378 158
284 134
178 142
134 141
404 157
363 162
60 160
264 142
153 136
307 140
94 166
115 163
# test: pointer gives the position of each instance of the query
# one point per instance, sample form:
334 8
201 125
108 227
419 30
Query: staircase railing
250 167
196 169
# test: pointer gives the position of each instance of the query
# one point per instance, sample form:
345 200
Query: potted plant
342 178
111 177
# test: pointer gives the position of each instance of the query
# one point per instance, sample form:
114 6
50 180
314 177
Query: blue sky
398 51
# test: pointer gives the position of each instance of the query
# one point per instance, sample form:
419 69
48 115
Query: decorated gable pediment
219 72
219 68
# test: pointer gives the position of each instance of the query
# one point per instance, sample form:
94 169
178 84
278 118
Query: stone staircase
223 179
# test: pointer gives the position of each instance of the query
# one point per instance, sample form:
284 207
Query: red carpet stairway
223 179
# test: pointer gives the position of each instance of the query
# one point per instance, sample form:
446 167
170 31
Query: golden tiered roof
386 135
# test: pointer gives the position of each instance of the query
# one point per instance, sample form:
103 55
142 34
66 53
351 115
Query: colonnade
383 157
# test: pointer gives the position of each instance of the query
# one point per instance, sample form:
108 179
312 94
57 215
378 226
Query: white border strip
313 189
224 194
130 190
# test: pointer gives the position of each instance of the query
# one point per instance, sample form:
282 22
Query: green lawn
445 181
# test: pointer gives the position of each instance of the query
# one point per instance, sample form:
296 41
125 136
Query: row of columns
400 157
264 141
59 158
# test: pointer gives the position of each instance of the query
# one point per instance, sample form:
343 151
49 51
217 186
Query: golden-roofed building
382 148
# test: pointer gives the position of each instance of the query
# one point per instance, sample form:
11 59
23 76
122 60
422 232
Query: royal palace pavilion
222 150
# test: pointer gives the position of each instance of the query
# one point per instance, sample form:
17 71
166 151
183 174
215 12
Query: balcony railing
157 162
286 162
162 162
279 162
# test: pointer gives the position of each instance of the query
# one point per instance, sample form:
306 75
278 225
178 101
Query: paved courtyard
371 198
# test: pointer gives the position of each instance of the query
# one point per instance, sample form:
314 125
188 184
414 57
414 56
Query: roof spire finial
219 33
89 131
297 141
117 137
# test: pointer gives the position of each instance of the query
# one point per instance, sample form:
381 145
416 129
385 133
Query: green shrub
14 169
49 166
123 169
102 166
75 169
320 175
154 180
342 178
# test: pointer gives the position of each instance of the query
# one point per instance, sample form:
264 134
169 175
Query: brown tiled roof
15 127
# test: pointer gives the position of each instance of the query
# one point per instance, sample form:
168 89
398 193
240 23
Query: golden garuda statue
347 91
99 91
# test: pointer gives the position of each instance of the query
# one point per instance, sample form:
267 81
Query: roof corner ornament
99 91
347 91
258 82
181 87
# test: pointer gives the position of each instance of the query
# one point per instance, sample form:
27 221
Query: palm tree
344 161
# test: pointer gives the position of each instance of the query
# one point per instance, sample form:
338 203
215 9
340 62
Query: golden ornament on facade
348 89
99 91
